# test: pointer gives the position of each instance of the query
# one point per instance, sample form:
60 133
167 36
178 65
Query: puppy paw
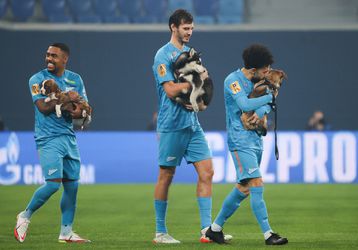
58 111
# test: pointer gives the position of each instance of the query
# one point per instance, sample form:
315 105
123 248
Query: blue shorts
60 158
247 164
189 143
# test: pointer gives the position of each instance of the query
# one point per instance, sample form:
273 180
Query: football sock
231 203
258 206
160 214
68 202
205 204
41 195
66 229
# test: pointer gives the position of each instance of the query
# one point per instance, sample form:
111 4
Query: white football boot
164 238
21 228
72 237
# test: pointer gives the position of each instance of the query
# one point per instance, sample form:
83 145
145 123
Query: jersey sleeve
163 69
82 89
246 104
261 111
34 85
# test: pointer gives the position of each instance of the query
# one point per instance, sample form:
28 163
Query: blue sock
231 203
68 202
258 206
205 204
160 215
41 195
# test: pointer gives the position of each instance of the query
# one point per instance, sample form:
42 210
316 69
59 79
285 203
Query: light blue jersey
171 115
49 126
236 90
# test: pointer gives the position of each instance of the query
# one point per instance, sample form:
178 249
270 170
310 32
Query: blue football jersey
237 86
47 126
171 115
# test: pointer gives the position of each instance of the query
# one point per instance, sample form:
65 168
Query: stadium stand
3 7
22 9
156 9
55 11
230 11
131 9
205 11
82 10
180 4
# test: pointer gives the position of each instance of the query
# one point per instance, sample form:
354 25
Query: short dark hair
62 46
257 56
179 16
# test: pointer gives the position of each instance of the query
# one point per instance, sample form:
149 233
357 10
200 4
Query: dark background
116 68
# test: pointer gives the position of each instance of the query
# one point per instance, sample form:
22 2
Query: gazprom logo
10 172
13 149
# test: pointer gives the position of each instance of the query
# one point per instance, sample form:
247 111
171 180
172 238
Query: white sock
216 228
66 230
268 234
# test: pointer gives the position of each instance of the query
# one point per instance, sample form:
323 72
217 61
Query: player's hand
76 113
188 107
254 119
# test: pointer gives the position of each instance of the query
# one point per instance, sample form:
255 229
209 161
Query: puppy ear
192 52
284 75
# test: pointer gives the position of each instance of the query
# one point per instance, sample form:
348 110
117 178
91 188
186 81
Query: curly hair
257 56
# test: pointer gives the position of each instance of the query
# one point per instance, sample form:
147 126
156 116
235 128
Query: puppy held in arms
188 68
271 83
66 101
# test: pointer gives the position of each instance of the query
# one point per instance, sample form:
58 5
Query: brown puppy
273 82
66 101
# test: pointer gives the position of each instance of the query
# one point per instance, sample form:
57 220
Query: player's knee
166 177
52 186
256 182
243 189
206 176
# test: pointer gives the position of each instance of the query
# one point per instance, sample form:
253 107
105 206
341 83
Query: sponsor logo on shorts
251 170
171 158
51 171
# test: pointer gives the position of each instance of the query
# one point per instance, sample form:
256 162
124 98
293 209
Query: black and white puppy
188 68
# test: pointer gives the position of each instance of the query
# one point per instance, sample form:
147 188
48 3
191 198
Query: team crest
35 89
162 71
235 87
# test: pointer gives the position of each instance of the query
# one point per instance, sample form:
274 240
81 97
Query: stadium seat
22 9
204 19
231 11
82 10
180 4
3 7
106 9
205 7
55 11
115 19
131 9
156 8
145 19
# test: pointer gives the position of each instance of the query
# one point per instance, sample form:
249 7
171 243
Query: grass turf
122 217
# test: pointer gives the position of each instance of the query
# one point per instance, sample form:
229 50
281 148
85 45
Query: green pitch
122 217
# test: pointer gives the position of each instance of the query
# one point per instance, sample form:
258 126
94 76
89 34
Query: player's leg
71 175
50 156
231 203
171 149
259 209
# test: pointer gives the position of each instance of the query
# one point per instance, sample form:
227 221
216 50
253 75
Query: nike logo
51 171
251 170
170 158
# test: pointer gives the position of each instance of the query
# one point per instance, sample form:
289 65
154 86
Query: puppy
188 68
65 101
273 82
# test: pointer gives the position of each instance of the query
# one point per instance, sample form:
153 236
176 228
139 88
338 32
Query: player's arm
45 108
38 99
174 89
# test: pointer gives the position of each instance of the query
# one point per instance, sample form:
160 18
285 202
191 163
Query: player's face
184 32
260 74
55 59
